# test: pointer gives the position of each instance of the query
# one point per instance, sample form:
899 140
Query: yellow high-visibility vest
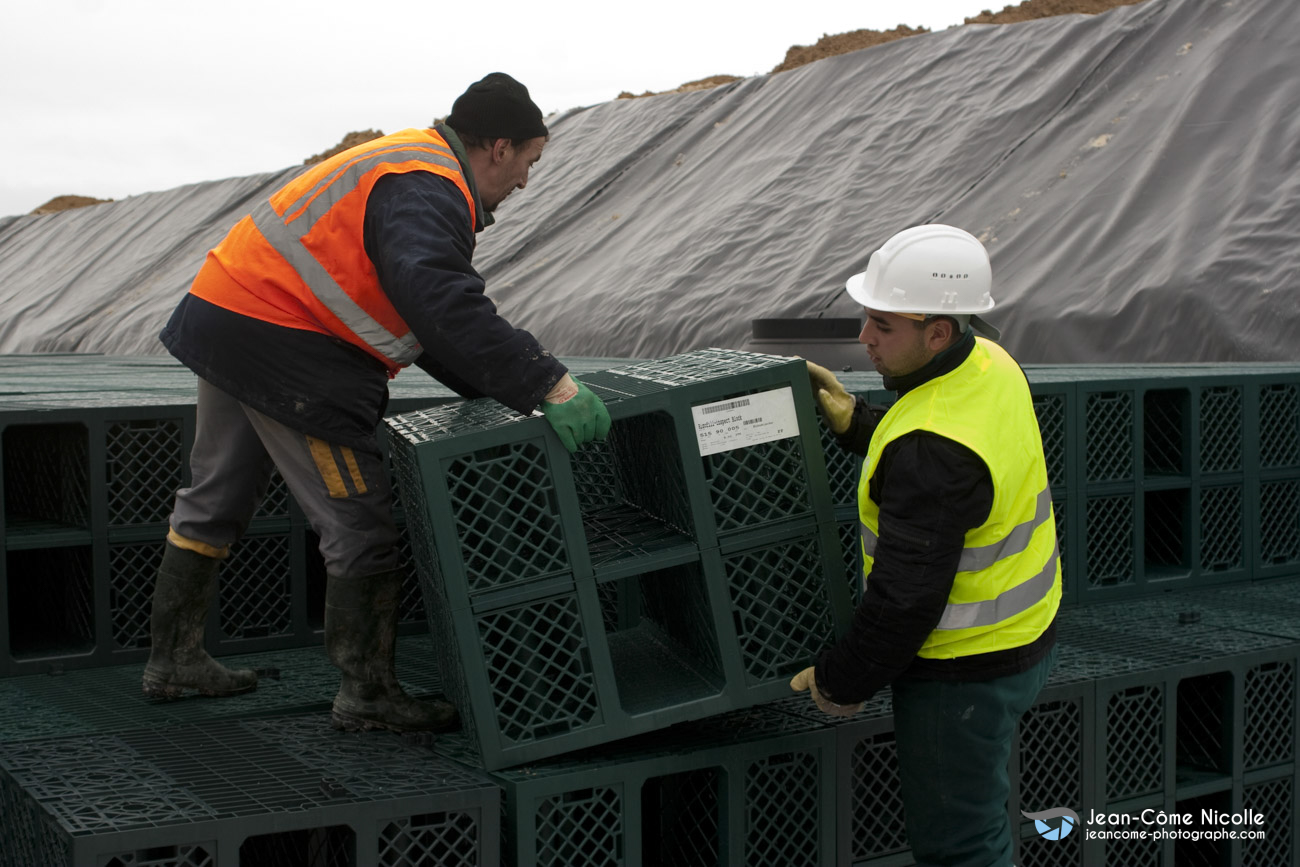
1008 582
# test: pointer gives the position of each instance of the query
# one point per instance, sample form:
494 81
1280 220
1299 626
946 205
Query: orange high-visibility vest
299 259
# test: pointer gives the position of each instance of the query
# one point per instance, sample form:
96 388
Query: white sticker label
745 421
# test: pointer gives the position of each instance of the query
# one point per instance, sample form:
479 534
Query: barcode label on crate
745 421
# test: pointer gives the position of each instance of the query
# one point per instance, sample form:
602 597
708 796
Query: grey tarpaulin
1135 176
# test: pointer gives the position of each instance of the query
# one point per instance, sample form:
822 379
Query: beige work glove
806 680
835 403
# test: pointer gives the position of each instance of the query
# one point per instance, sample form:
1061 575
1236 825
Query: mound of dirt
350 140
1031 9
843 43
700 84
66 203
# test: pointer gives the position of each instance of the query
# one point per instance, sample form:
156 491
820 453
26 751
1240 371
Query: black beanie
497 107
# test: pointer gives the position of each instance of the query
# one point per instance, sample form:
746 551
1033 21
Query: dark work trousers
344 492
954 741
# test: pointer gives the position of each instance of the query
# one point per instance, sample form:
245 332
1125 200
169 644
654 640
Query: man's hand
806 680
835 403
575 412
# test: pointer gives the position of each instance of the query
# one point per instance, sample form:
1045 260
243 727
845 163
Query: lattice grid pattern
1279 523
319 847
1050 409
1222 520
1135 852
678 602
184 855
782 809
256 589
842 469
1164 432
1275 801
1036 851
1062 544
877 811
507 522
144 466
132 571
46 474
1166 529
683 829
536 658
1109 550
99 784
782 614
1221 429
702 365
757 484
1135 720
450 838
851 549
1109 439
411 608
275 502
1203 717
53 589
1269 715
1051 754
580 829
1279 425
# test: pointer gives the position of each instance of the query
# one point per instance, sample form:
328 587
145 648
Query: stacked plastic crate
683 568
92 450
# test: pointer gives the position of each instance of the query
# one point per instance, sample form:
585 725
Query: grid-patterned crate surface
868 803
749 788
269 790
518 508
581 663
86 702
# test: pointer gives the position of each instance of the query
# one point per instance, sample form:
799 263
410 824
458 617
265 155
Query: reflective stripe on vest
986 613
285 237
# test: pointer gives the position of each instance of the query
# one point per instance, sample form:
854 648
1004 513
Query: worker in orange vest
355 268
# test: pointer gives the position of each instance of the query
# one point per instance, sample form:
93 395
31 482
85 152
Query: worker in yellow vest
961 571
354 269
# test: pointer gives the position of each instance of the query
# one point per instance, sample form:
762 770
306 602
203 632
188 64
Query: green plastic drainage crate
686 567
749 788
288 790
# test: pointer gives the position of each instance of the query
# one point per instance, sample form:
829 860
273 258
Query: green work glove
835 403
575 412
806 680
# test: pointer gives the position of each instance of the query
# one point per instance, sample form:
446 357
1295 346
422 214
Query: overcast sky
114 99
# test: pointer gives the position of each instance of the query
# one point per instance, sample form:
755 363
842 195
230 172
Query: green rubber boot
186 586
361 639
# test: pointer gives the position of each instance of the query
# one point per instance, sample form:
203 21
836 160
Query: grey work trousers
344 492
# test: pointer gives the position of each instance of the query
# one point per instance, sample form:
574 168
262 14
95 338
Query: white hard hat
933 270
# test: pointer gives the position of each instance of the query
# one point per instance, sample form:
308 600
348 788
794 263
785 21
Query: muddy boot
187 583
361 639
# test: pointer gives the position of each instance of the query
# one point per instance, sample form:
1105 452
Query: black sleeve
931 491
419 237
857 437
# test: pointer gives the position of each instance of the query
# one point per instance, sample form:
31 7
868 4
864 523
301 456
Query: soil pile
350 140
1032 9
67 203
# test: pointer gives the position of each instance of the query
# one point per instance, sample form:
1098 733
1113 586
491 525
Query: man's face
896 345
509 172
